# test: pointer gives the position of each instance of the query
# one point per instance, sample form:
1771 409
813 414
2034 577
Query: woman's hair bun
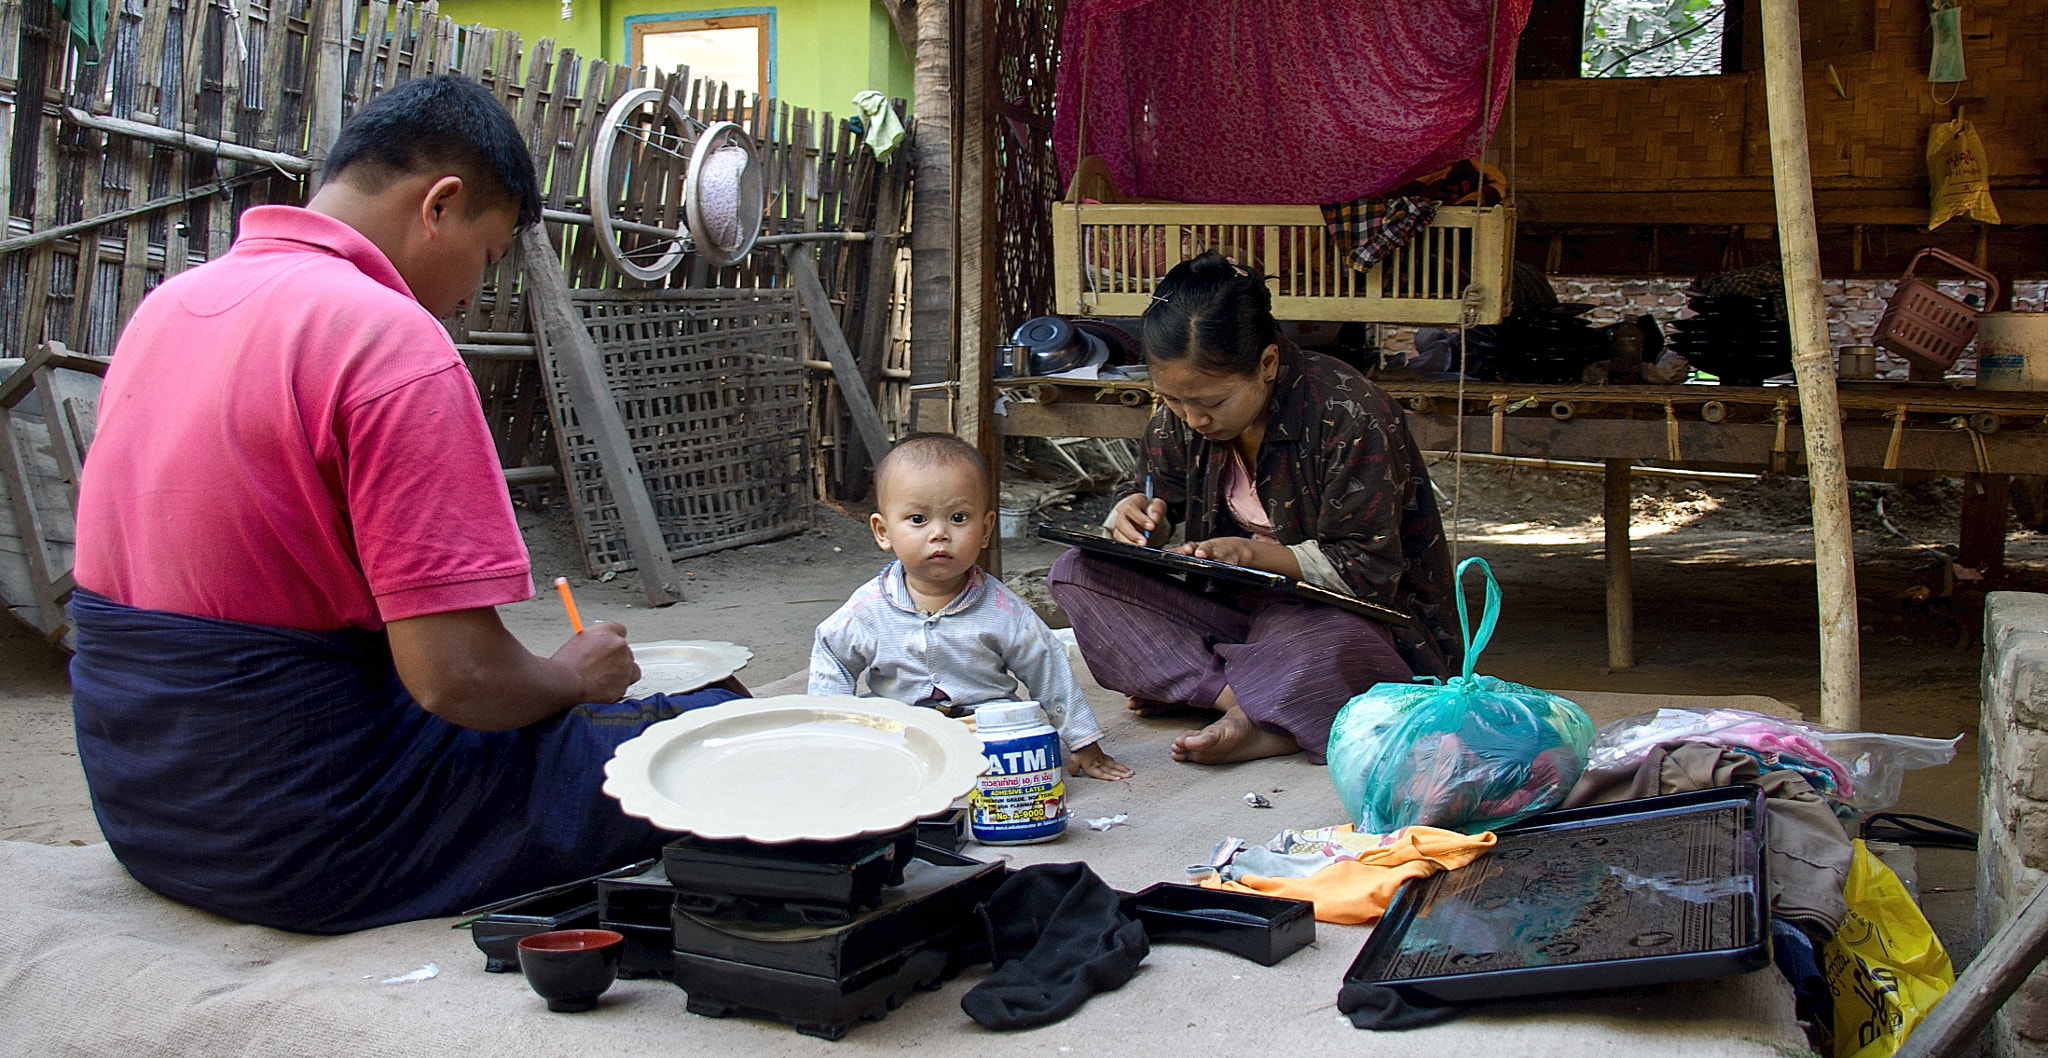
1213 309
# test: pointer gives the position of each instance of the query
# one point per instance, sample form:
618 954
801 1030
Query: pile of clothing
1813 778
1366 230
1350 876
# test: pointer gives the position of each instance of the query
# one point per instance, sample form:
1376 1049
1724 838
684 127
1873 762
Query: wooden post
1991 979
879 285
1981 542
803 275
931 208
1621 581
1834 548
330 80
555 316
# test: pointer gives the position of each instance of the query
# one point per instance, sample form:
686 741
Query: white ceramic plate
795 768
678 666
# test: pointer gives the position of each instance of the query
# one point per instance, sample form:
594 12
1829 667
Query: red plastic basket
1923 324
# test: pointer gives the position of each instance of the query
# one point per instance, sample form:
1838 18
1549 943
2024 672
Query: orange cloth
1354 892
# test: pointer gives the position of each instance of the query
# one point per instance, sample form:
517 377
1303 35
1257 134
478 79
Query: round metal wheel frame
601 179
753 196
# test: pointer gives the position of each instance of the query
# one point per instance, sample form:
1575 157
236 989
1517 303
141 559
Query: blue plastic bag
1469 755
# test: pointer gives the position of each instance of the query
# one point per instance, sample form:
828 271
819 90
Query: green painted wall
825 51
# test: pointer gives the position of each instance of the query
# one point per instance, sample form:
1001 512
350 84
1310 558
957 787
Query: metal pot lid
1045 334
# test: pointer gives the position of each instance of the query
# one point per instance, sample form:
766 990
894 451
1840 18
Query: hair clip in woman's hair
1238 268
1159 299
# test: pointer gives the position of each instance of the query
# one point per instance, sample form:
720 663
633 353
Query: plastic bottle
1022 797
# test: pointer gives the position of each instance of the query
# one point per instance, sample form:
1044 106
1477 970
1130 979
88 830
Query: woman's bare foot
1232 738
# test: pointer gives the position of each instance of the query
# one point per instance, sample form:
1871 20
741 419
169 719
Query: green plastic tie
1473 647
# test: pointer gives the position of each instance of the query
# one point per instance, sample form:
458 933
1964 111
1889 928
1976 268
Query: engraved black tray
1644 892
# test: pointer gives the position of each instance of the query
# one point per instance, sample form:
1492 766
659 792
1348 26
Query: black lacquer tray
1644 892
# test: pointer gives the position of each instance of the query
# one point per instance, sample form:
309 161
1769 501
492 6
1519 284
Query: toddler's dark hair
1216 312
446 121
930 450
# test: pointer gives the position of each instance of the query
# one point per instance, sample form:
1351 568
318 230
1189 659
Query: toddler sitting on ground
932 629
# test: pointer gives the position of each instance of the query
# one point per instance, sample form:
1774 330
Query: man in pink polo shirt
296 704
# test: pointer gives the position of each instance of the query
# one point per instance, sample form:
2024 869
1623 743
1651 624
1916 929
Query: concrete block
2015 680
2029 1008
2032 779
2031 835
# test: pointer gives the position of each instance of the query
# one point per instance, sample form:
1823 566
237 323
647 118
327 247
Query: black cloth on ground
1057 935
1371 1006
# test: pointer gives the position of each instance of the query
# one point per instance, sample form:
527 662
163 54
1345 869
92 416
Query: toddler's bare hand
1091 761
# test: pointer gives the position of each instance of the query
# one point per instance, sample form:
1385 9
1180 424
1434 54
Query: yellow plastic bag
1958 175
1885 966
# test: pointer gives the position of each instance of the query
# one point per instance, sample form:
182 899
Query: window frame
760 19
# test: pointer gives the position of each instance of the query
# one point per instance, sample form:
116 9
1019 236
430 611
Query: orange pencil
569 603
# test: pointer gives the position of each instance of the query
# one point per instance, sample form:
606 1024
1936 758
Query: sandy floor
1725 605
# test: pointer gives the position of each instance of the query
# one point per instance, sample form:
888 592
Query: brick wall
1853 306
2012 755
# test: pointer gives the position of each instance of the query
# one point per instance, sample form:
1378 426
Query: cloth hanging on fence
1280 101
884 128
88 20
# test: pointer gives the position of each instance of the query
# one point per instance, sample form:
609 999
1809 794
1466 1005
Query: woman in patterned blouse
1280 460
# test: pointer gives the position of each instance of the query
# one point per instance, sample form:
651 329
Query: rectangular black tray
840 875
816 1005
939 892
498 934
1652 891
637 908
1264 929
1161 560
947 832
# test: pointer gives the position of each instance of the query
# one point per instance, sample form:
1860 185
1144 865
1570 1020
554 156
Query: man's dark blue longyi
286 777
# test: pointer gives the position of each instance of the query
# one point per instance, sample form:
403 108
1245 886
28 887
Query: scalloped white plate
678 666
795 768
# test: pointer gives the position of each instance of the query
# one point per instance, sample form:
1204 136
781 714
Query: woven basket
1927 326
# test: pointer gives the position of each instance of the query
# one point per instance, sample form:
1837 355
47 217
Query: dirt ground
1724 605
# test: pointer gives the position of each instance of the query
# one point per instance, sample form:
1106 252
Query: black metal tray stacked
822 977
1536 344
1736 338
822 936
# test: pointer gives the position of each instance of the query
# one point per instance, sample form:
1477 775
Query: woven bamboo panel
1610 133
713 388
1706 133
1023 48
1110 257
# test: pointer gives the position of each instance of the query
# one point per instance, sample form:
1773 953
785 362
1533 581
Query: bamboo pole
1621 581
195 145
1834 558
1980 990
597 414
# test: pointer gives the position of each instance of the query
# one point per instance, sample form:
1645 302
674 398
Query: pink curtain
1279 101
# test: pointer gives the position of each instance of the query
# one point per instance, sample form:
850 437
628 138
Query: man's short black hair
446 121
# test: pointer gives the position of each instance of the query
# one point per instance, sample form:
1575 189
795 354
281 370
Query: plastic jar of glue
1022 797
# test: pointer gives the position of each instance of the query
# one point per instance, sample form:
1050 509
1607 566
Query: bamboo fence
122 169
